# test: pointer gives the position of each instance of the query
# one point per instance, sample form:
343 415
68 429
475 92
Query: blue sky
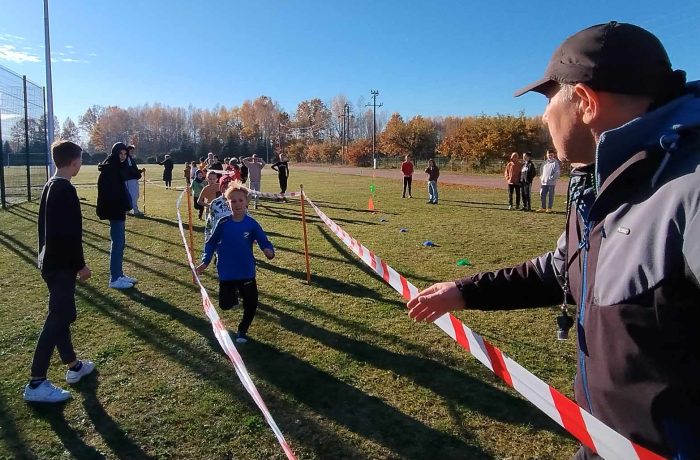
430 57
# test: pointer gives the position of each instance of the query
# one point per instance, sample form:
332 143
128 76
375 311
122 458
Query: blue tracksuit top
233 243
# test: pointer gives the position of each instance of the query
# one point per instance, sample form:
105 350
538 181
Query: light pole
49 88
374 106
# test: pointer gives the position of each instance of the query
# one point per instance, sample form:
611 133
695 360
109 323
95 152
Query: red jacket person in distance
629 257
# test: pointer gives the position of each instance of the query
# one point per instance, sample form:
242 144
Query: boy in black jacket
61 260
113 201
527 175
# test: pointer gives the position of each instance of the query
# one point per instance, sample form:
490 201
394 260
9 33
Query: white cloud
78 61
10 53
10 38
92 54
70 46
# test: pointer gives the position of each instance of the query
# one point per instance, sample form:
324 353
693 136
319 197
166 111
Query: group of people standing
520 174
246 170
433 172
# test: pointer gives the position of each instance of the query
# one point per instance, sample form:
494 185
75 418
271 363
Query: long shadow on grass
32 217
311 217
332 398
352 259
11 437
110 431
304 429
13 244
72 441
6 239
330 284
444 381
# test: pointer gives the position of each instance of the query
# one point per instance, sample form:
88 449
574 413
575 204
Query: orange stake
306 241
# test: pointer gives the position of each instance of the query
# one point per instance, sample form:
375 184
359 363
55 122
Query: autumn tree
418 137
70 131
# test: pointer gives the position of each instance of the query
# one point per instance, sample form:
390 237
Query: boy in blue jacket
232 239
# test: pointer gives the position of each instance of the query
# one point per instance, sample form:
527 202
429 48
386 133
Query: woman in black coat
113 202
168 166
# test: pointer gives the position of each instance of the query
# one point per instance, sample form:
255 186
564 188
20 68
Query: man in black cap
629 257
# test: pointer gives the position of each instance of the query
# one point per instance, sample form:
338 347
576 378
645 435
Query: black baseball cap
614 57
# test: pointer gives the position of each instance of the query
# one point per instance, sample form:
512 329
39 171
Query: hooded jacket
550 172
113 199
512 172
631 255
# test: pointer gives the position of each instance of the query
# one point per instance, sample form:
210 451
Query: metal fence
23 145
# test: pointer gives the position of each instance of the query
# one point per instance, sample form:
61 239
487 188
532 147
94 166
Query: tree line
316 131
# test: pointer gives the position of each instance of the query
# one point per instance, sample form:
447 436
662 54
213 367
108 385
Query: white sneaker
241 338
128 279
46 392
120 284
75 376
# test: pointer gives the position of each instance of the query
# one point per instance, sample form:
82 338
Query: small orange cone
370 204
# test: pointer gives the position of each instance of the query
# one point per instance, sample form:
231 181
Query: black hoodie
113 200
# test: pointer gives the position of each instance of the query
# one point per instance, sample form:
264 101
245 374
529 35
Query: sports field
342 369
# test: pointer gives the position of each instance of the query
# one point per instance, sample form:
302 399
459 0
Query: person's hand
435 301
84 273
269 253
200 268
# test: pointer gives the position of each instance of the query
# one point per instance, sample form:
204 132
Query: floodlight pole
374 106
49 89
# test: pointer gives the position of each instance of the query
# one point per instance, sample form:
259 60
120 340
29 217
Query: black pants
228 297
407 183
199 208
283 184
56 331
514 188
526 189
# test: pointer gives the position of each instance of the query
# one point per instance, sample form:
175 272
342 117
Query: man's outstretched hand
435 301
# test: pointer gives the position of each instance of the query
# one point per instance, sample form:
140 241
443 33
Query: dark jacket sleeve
532 284
113 199
64 229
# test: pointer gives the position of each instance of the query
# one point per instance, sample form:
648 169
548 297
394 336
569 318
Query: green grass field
343 370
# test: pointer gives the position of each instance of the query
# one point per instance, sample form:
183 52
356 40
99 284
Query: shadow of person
69 437
110 431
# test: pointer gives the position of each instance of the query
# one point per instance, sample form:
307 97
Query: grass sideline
342 369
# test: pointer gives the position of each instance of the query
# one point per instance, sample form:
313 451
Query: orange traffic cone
370 204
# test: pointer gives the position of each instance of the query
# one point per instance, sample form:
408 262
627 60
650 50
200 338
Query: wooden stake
144 190
306 241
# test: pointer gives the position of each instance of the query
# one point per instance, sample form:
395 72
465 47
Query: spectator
548 179
629 256
512 175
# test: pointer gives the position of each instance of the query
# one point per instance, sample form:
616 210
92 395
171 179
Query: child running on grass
61 261
232 239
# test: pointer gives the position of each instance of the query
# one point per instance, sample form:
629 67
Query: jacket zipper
584 245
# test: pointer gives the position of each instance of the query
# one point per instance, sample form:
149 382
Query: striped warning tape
590 431
224 339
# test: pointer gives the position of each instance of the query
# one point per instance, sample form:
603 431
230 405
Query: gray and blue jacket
631 258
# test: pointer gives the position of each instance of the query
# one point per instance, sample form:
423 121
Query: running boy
61 261
232 239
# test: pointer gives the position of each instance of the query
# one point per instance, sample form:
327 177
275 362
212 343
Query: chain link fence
23 145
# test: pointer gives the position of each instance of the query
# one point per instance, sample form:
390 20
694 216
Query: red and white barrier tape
590 431
224 339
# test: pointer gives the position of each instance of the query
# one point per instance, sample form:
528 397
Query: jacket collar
617 146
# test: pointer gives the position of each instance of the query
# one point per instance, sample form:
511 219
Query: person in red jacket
407 170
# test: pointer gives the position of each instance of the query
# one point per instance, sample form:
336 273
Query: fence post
306 241
26 139
2 169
